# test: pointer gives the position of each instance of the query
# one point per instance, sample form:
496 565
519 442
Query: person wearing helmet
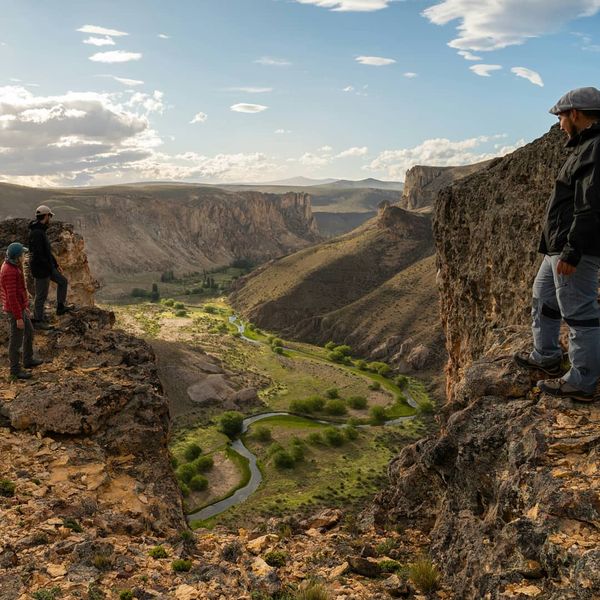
566 286
15 302
45 268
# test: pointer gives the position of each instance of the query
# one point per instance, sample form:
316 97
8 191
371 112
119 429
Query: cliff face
508 492
187 228
423 183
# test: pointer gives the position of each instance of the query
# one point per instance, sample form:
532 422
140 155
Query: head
577 110
43 214
15 253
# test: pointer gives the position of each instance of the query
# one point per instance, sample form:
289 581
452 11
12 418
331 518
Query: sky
96 92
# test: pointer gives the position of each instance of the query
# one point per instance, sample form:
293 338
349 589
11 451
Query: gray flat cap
587 98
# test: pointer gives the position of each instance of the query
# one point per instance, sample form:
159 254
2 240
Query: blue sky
106 91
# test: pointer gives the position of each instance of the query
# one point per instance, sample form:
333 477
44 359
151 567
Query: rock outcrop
423 183
508 491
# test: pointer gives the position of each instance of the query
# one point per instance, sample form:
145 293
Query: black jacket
572 226
41 259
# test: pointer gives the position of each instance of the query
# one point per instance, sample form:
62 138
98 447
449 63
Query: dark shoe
34 362
63 309
554 369
41 325
561 389
21 375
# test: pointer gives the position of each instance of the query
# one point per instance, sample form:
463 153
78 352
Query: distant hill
296 181
367 183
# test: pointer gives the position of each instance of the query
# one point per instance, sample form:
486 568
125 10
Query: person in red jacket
15 301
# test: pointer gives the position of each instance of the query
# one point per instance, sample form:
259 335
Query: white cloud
282 131
115 56
492 25
243 107
468 55
353 152
95 30
268 61
349 5
484 70
375 61
199 118
124 80
410 75
313 160
251 90
149 103
528 74
439 152
587 42
348 88
99 41
325 149
164 36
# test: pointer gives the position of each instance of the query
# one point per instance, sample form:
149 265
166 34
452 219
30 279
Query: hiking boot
63 309
33 363
41 325
561 389
523 360
21 375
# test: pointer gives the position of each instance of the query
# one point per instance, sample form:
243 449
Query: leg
14 346
62 286
41 294
546 316
27 341
578 299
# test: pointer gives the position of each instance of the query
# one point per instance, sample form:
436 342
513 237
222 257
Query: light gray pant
42 285
573 298
20 340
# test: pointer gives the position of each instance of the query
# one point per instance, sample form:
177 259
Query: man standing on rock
566 286
44 268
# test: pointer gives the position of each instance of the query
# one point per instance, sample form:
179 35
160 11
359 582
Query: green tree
335 408
378 415
231 423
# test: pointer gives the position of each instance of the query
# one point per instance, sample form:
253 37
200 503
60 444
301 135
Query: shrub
384 547
278 349
361 364
314 591
232 551
185 473
283 460
315 438
336 356
198 483
102 562
262 434
276 558
379 367
425 575
181 565
169 302
185 490
357 402
389 566
335 408
178 305
203 464
181 313
301 406
401 381
332 393
211 310
126 595
158 552
7 488
274 448
316 403
351 432
231 423
378 415
297 452
344 349
174 461
330 345
72 524
49 594
278 342
375 385
426 406
192 451
333 436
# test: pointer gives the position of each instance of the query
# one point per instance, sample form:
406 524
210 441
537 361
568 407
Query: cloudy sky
111 91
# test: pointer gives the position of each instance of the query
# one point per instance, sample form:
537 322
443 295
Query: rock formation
508 492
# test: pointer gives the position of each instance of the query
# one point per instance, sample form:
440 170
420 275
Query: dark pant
20 340
42 285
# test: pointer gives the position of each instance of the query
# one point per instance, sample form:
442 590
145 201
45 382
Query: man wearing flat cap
45 268
566 286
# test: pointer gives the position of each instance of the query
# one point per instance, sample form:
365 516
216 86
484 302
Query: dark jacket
41 259
572 226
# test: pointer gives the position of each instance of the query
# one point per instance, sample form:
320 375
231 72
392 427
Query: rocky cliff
423 183
153 228
508 492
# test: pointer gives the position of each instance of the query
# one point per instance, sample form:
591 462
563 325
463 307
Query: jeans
20 339
42 285
573 298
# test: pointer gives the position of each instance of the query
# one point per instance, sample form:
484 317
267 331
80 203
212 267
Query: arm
40 249
10 287
586 216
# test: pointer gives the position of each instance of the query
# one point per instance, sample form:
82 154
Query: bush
185 490
297 452
181 313
336 356
425 575
192 451
314 591
379 367
7 488
378 415
198 483
300 406
72 524
361 364
276 558
126 595
335 408
211 310
277 342
49 594
232 551
316 403
344 349
181 566
203 464
375 385
330 345
185 473
178 305
283 460
351 432
231 423
315 438
278 349
401 381
334 437
102 562
157 552
426 407
169 302
332 393
357 402
389 566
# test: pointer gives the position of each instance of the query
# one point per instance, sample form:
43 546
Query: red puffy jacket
12 290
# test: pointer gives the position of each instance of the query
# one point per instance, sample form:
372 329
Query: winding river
243 493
